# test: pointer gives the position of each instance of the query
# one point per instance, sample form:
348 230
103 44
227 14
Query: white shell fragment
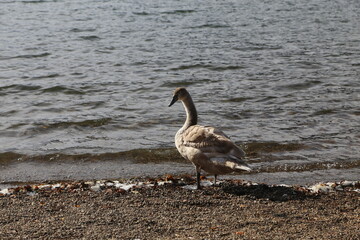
205 183
5 191
333 186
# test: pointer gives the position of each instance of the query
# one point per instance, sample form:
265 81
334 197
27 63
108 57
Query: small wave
235 115
207 66
9 157
186 83
305 167
17 88
192 66
20 87
257 48
180 12
45 54
238 99
254 148
212 26
34 55
62 89
299 86
79 30
308 65
225 68
93 104
90 38
143 13
43 128
160 155
17 125
86 123
324 112
169 155
267 98
51 75
139 63
38 1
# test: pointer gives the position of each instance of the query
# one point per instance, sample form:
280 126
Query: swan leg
215 176
198 178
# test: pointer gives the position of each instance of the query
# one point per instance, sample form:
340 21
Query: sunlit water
84 82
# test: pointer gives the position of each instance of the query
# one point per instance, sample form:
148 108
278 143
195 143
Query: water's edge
275 163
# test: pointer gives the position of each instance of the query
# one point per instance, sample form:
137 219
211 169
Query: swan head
179 94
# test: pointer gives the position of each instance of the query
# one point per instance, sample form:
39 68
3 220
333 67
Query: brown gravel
228 211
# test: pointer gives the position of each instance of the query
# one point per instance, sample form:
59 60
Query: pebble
334 186
101 185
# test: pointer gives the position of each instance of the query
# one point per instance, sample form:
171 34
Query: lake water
85 85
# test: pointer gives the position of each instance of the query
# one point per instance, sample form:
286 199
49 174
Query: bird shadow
268 192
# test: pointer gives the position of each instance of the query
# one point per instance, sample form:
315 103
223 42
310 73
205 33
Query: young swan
208 148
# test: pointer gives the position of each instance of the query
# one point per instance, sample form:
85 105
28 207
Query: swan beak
175 98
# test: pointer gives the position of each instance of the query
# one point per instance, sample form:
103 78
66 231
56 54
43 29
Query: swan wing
211 141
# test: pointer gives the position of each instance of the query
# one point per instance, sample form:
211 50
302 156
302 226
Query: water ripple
26 56
62 89
262 72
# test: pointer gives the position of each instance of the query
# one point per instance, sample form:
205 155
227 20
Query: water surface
85 79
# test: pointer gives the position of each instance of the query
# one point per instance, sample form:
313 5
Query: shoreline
185 181
37 172
166 208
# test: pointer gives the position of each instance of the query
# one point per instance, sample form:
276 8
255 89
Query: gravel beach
231 210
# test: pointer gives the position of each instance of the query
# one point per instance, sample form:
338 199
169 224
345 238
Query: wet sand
30 170
232 210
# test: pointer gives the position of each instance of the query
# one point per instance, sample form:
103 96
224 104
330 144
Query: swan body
208 148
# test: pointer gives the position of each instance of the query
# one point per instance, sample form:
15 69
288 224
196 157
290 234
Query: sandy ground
230 210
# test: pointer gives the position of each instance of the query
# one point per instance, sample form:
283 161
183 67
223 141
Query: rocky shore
168 208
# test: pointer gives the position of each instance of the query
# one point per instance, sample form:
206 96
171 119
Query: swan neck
191 113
